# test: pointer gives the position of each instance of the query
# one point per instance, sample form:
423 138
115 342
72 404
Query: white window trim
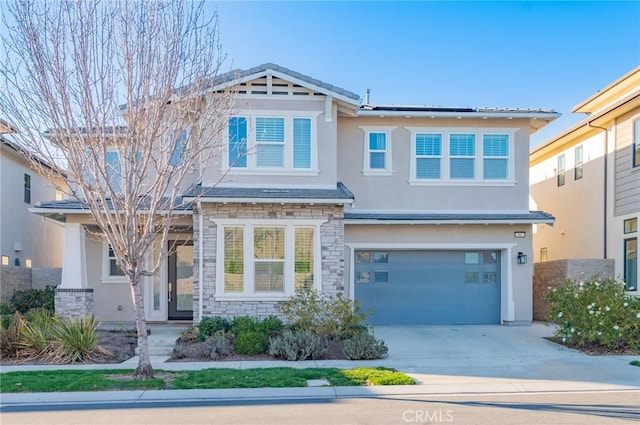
479 157
106 277
248 293
366 169
288 169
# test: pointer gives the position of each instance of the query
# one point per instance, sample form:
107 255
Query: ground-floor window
267 257
631 264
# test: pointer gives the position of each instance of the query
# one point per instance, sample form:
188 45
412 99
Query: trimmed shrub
295 346
210 325
6 309
245 324
251 343
191 334
192 350
364 346
272 325
220 345
6 313
595 312
23 301
330 317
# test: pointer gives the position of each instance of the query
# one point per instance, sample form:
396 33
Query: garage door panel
430 287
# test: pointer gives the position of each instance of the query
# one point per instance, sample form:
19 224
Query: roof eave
449 222
239 200
629 80
584 128
550 116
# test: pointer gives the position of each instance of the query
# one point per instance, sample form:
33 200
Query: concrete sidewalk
442 360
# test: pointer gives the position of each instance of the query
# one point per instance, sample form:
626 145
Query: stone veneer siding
332 255
74 303
550 274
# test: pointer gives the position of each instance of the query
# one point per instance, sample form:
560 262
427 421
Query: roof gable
292 79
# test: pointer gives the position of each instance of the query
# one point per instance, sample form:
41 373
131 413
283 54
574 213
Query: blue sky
498 54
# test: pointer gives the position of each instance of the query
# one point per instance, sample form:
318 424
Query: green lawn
102 380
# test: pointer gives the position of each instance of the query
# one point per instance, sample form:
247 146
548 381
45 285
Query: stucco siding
112 301
379 192
40 241
218 171
577 206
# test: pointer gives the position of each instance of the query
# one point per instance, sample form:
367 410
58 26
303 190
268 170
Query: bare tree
70 67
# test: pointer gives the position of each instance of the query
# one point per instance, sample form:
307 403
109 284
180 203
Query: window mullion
289 260
478 174
288 143
248 260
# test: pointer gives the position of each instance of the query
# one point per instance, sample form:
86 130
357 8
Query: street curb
302 393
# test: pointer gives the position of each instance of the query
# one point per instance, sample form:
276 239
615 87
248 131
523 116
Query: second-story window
178 151
271 143
495 153
462 152
428 156
457 156
561 171
577 170
27 189
114 171
377 151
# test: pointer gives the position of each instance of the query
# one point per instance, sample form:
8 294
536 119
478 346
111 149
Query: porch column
74 298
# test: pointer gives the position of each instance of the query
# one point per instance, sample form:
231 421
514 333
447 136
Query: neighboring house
588 177
420 213
26 240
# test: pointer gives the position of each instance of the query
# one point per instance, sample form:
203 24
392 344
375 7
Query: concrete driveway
512 352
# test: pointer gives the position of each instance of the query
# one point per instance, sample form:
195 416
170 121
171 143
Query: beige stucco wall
41 241
458 237
578 206
107 296
218 171
394 192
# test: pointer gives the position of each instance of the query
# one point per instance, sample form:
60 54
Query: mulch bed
334 352
596 350
120 344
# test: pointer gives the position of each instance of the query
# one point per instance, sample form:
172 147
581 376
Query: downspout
200 262
606 186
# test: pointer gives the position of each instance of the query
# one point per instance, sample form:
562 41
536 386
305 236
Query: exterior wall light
522 258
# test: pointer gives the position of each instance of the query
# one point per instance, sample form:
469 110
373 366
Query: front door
180 281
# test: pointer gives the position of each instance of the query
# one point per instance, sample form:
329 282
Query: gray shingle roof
339 193
526 217
236 74
426 108
76 205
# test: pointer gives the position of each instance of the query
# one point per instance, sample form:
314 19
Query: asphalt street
575 407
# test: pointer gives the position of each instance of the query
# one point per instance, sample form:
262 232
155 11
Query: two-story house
588 177
26 240
420 213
